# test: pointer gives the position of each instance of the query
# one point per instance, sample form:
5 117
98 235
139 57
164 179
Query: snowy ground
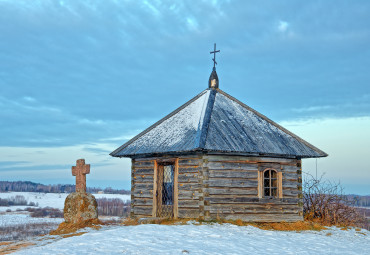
205 239
24 218
54 200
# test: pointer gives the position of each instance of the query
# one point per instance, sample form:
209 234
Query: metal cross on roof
214 56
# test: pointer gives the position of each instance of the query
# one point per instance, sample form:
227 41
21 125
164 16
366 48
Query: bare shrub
325 202
23 231
45 212
113 207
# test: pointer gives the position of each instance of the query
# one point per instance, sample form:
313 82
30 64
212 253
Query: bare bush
23 231
113 207
45 212
324 201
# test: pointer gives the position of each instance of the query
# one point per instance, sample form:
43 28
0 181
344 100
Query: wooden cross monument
80 171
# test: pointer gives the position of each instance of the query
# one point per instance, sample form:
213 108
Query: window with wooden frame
270 182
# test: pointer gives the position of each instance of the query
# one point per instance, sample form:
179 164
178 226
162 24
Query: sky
80 78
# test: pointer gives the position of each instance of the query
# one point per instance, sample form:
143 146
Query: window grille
270 183
165 192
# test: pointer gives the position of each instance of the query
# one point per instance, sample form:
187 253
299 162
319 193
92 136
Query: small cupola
213 78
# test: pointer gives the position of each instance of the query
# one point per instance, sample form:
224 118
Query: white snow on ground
24 218
206 239
54 200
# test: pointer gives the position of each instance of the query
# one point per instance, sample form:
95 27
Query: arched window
270 183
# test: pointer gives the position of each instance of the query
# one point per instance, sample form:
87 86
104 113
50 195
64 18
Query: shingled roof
215 122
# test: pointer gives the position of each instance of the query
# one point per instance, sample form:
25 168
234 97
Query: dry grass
12 247
279 226
67 228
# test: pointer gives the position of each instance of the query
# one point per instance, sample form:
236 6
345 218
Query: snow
205 239
24 218
173 130
54 200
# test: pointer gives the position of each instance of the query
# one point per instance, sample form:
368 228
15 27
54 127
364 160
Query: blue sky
79 78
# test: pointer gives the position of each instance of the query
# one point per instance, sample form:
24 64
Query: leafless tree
324 201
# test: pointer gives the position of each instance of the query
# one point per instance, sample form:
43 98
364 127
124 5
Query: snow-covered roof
214 121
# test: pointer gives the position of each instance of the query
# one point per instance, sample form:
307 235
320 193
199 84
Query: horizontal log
142 178
188 203
252 200
143 171
235 183
143 164
142 201
189 162
247 174
188 213
188 194
228 165
232 210
263 166
192 169
216 158
260 217
143 210
231 191
255 206
290 168
142 193
289 175
143 186
189 186
184 178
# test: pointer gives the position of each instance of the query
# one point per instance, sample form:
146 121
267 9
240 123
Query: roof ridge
157 123
206 120
323 154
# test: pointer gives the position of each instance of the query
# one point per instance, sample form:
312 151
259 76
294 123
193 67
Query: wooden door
165 191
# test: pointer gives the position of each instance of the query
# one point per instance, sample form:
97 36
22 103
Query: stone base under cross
80 206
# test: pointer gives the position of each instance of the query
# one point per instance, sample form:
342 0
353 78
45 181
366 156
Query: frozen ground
205 239
54 200
24 218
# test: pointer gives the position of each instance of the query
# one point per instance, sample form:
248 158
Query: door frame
157 162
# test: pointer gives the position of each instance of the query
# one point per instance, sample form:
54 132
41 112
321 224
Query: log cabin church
215 157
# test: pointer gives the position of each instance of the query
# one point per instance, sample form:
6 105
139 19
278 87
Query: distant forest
27 186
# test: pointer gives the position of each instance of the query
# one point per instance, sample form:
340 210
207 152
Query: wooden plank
230 165
143 178
231 191
143 210
143 164
223 182
191 169
176 190
149 171
247 174
143 186
185 178
260 217
222 158
189 162
143 194
188 194
189 203
154 207
252 200
188 213
290 175
142 201
189 186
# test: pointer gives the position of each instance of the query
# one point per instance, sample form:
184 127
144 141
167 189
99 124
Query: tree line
27 186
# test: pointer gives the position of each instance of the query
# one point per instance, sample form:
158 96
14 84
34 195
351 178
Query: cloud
283 26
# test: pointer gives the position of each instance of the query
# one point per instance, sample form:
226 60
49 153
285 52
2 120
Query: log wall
212 186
